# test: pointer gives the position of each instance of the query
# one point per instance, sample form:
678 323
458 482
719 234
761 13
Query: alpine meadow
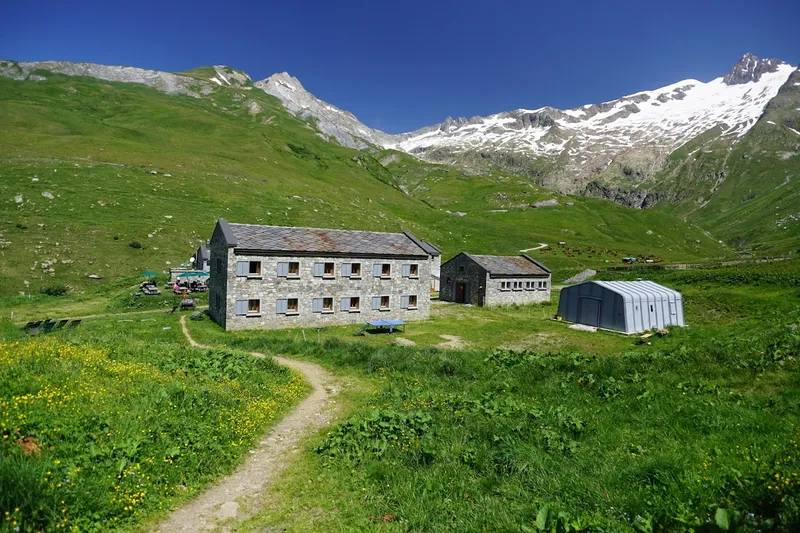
130 400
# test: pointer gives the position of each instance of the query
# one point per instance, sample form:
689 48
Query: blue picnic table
388 325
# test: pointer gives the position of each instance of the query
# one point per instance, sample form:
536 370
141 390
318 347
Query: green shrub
55 290
135 244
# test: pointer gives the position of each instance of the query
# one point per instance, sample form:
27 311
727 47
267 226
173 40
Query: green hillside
748 195
90 167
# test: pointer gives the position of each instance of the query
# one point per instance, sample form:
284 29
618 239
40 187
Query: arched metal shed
626 306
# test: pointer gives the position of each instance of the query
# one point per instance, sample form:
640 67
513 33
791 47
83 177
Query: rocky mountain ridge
609 150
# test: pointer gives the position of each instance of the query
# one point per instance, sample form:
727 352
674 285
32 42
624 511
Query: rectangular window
294 269
323 270
517 285
382 270
355 270
292 307
505 285
412 301
380 303
250 269
253 307
411 270
541 285
322 305
355 303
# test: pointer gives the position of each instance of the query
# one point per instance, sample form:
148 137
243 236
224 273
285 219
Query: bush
135 244
55 290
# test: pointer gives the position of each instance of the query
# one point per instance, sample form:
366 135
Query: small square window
327 305
253 307
384 302
254 269
355 303
355 270
412 301
328 271
294 269
291 306
386 270
413 270
461 268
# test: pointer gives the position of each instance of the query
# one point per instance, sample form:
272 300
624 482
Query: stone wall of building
269 288
495 295
218 278
461 269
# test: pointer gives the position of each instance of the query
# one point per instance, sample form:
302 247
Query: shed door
589 311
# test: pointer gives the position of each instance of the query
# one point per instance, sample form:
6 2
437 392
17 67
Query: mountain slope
91 166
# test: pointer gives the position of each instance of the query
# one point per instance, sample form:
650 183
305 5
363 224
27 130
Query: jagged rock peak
750 68
286 80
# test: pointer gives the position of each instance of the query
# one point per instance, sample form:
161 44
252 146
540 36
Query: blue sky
403 65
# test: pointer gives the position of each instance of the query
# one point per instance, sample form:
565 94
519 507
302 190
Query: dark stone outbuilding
488 280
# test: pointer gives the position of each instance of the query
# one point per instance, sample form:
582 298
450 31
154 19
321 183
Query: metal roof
304 241
517 265
629 288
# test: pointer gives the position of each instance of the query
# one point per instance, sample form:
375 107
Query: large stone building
494 280
270 277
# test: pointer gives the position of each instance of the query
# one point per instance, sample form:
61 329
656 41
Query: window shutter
283 269
376 270
347 270
376 303
319 270
345 303
316 305
406 271
242 268
241 307
281 306
404 302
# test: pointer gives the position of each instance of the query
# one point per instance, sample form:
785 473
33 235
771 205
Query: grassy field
111 179
695 432
116 422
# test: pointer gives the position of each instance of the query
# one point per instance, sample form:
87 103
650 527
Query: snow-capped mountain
637 131
650 123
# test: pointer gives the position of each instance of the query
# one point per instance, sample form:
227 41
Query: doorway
462 292
589 311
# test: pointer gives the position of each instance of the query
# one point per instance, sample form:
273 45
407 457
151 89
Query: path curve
240 495
541 245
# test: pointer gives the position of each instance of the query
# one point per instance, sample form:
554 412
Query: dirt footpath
243 493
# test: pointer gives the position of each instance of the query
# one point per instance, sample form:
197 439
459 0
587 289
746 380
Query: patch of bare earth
246 491
402 341
538 341
452 342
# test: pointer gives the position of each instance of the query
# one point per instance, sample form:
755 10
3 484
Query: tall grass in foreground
94 438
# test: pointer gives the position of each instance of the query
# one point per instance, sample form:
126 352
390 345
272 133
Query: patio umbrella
148 274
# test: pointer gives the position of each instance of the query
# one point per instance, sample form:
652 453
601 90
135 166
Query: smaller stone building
488 280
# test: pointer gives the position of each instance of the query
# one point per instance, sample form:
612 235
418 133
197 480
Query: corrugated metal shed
626 306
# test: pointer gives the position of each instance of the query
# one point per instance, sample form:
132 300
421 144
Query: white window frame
505 286
289 311
330 309
388 306
253 313
357 308
416 302
356 275
293 275
384 267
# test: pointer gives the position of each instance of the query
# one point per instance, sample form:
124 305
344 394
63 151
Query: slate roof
317 241
517 265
